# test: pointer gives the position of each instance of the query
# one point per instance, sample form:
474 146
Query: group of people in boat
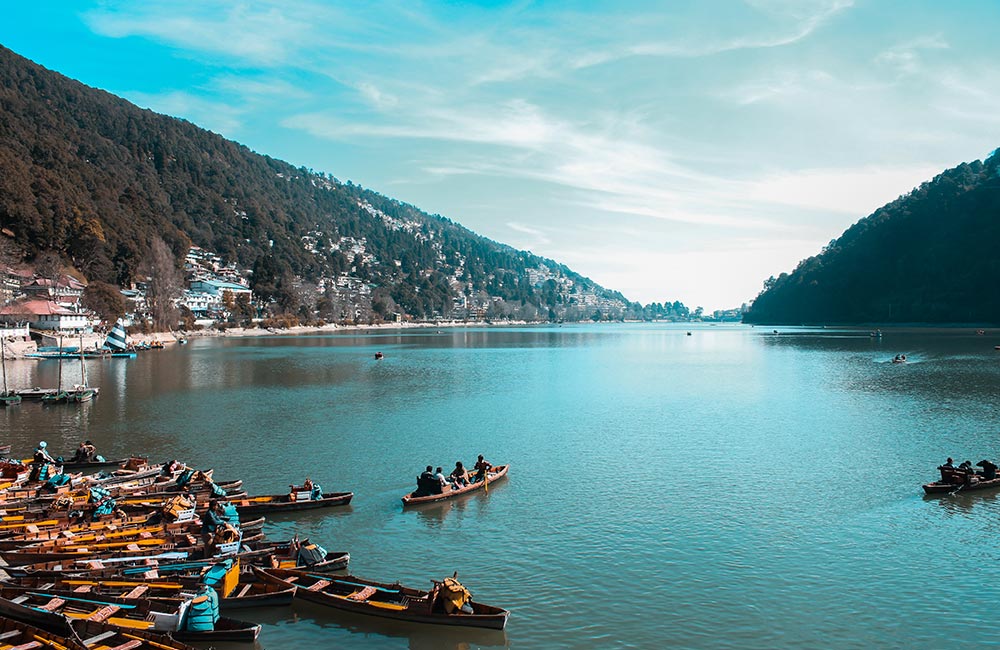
966 473
85 452
899 358
433 481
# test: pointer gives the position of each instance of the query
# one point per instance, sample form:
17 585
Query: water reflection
419 636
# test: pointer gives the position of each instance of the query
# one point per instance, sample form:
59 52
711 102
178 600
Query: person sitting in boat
458 475
968 473
211 521
482 466
426 483
947 470
170 467
42 453
443 485
989 472
80 455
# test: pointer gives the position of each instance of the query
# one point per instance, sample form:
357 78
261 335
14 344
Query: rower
482 466
989 472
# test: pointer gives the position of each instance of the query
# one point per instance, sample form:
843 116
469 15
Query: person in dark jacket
426 483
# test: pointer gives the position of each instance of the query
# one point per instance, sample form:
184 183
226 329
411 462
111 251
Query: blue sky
670 150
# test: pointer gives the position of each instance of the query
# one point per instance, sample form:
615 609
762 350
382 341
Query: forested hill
95 178
930 256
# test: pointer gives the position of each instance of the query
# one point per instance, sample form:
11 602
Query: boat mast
59 389
83 363
3 362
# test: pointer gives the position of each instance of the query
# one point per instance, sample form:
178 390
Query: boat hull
942 488
281 503
416 609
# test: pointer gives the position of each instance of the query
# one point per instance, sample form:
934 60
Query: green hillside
928 257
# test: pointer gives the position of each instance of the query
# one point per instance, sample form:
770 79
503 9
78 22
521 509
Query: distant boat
379 355
81 392
60 395
7 397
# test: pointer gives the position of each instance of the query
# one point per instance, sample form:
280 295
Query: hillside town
207 292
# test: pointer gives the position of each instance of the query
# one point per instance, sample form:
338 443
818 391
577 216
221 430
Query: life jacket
226 534
454 595
106 507
175 506
203 613
231 514
184 478
97 494
310 554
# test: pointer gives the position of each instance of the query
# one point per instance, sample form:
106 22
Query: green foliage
929 257
97 179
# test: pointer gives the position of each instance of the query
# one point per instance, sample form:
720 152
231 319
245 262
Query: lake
731 488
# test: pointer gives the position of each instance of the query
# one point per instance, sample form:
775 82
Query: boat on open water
493 475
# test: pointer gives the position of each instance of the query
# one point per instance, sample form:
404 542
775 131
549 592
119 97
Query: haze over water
728 489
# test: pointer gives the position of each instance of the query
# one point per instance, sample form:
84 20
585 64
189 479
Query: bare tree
49 265
163 285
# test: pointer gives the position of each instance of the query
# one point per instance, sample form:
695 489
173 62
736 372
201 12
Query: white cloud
906 58
857 192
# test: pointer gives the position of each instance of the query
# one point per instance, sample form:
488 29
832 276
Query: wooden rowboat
245 593
940 487
361 596
15 634
273 503
50 610
498 472
82 635
72 466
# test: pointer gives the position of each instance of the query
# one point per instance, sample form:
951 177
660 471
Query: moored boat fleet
157 556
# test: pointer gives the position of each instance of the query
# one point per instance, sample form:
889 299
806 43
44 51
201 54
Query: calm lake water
728 489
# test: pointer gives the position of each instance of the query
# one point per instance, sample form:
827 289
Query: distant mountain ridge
930 256
96 178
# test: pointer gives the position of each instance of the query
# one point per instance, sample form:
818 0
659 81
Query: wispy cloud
806 18
259 33
906 58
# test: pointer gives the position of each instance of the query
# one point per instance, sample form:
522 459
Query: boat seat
243 591
137 591
53 604
19 599
318 585
128 645
82 589
363 594
10 635
27 646
103 613
94 640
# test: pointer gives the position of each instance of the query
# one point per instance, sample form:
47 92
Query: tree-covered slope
97 179
930 256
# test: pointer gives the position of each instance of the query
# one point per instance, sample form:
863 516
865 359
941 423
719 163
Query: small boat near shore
362 596
495 474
